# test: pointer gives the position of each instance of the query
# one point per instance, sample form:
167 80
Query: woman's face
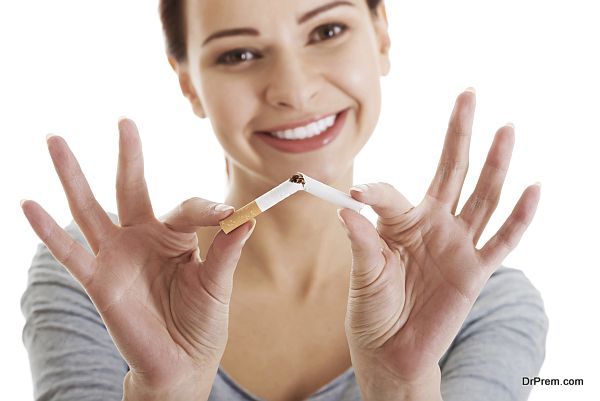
255 66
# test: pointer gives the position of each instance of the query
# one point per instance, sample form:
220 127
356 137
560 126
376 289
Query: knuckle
134 185
67 258
480 201
506 241
454 164
190 201
498 167
194 204
449 168
387 186
477 202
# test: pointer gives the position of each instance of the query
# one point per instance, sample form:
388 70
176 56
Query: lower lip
307 144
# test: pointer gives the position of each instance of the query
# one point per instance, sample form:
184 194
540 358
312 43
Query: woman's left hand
415 278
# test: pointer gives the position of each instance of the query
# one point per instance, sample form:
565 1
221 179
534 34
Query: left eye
328 31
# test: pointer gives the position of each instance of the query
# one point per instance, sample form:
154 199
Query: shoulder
508 292
509 312
502 339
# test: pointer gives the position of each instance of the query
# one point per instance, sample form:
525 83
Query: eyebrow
253 32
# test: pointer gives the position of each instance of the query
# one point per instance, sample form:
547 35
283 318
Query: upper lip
298 123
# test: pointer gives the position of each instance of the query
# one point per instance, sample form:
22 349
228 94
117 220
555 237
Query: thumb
196 212
384 198
367 251
222 258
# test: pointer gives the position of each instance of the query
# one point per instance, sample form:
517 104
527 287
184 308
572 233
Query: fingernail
360 188
49 136
249 233
340 217
539 184
23 201
470 89
343 222
510 125
223 208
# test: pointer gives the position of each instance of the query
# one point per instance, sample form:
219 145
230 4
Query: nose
291 83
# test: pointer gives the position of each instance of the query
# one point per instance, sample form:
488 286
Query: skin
417 274
299 74
412 279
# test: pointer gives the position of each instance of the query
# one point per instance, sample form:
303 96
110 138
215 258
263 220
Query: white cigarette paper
298 182
330 194
259 205
277 194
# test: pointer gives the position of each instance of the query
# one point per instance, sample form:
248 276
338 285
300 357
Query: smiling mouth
309 130
299 141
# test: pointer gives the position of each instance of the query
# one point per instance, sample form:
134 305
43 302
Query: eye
236 56
328 31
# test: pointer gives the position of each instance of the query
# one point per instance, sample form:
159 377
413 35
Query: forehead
205 16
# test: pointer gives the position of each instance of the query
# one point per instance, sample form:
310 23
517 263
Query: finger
194 213
221 260
65 249
93 221
385 200
454 162
481 204
133 202
367 253
509 235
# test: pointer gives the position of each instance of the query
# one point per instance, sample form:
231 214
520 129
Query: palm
149 302
440 278
417 275
166 310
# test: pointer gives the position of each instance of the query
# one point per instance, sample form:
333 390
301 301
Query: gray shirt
72 356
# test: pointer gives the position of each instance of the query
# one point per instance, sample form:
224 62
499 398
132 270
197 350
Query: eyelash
224 58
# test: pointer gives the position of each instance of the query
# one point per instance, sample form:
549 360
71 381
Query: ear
185 83
383 38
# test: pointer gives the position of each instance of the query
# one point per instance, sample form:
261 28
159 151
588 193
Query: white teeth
312 129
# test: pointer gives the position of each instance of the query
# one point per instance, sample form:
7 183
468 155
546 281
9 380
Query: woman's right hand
166 309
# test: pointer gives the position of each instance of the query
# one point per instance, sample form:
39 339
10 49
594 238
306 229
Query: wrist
196 387
378 385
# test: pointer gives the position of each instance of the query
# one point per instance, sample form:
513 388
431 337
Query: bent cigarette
259 205
330 194
297 182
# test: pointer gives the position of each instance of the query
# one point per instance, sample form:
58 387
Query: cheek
355 71
354 65
228 104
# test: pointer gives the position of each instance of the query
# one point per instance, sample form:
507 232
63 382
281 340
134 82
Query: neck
297 246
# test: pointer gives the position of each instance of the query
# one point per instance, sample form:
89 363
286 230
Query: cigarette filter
259 205
298 182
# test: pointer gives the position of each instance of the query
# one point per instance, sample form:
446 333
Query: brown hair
173 24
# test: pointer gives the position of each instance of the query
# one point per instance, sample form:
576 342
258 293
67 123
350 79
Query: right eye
236 56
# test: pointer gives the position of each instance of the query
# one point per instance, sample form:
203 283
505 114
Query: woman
408 310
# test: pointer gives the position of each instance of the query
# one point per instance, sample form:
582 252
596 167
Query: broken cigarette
330 194
259 205
297 182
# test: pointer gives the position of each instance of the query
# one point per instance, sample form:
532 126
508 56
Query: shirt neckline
326 387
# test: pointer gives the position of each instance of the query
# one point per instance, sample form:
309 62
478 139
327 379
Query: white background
73 67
